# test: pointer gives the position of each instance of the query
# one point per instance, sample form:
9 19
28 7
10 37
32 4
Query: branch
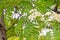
56 7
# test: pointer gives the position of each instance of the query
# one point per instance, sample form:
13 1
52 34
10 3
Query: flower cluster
34 14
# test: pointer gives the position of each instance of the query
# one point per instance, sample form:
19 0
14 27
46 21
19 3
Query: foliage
25 28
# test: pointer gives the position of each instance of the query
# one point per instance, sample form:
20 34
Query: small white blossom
25 14
16 15
35 22
48 13
32 10
33 4
51 17
45 31
42 18
49 20
48 24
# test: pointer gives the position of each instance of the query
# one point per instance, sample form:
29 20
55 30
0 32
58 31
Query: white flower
42 18
44 31
24 14
35 12
32 10
33 4
48 13
16 15
51 17
35 22
49 20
